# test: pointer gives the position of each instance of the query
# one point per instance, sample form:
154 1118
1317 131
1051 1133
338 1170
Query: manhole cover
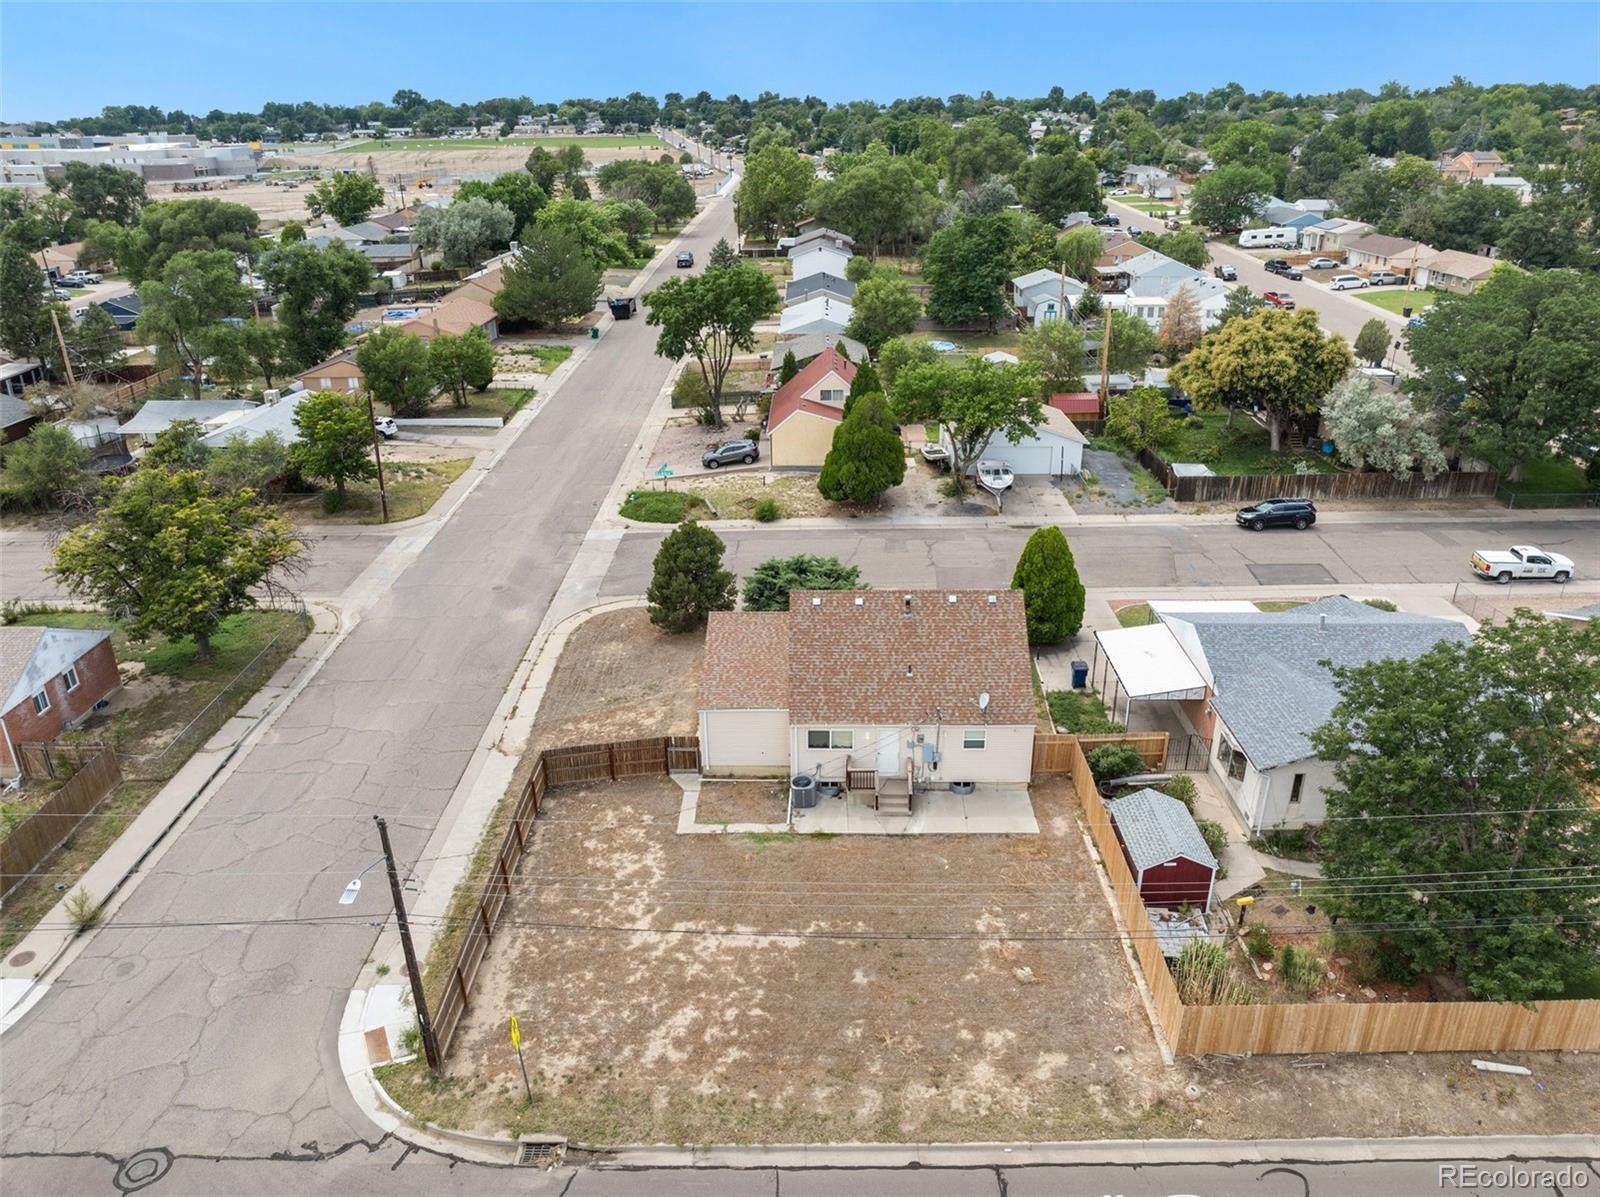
21 958
1291 573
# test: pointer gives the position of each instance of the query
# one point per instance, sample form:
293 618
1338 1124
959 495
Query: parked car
685 259
729 453
1278 513
1134 230
1226 273
1108 220
1278 299
1274 265
1347 282
1385 278
83 278
1120 191
387 428
1521 561
1321 264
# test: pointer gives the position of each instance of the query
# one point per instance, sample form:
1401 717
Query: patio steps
894 797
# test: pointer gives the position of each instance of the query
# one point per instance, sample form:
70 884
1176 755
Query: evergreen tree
789 368
721 255
867 457
689 581
1051 591
864 383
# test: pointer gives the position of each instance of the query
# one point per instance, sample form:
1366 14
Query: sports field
477 143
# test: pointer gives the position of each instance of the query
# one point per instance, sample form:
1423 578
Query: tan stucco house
888 692
807 409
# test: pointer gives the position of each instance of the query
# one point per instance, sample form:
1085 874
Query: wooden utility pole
1105 366
377 454
66 358
430 1042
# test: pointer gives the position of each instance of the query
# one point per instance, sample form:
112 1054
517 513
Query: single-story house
1320 206
1119 248
401 220
818 314
807 409
17 417
483 286
275 417
1038 295
456 314
1514 183
52 678
887 691
1455 270
60 259
1329 236
1281 215
1080 405
1053 451
1471 164
819 257
1170 860
1376 251
810 236
1254 685
821 283
123 309
337 373
806 346
157 415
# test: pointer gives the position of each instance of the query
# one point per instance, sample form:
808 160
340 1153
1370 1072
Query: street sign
516 1034
664 472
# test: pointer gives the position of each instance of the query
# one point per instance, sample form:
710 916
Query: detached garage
744 697
1165 849
1055 450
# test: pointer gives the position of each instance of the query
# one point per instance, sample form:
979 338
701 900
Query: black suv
1278 513
1108 220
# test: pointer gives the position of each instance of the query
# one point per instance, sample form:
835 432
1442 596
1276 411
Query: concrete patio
990 810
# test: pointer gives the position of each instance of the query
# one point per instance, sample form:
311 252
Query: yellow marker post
516 1042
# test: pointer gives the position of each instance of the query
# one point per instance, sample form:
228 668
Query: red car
1278 299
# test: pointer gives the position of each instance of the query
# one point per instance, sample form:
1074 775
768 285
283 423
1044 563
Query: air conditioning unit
516 246
271 396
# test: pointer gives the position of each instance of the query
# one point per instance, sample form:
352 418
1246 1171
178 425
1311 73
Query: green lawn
1392 299
1081 711
1136 616
660 506
1551 476
478 143
485 404
548 356
1243 449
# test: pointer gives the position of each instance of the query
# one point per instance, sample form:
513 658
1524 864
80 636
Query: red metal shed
1165 849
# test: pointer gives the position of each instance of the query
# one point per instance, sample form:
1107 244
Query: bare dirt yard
742 802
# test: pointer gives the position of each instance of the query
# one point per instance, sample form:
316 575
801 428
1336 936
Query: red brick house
51 679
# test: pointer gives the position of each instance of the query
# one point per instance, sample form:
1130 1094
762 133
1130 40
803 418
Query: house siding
1006 758
802 440
1177 882
97 677
744 743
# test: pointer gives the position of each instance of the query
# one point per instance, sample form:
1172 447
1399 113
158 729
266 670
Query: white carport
1144 664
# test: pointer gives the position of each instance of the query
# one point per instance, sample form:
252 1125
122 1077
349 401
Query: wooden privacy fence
1054 753
1249 488
42 832
1297 1028
555 766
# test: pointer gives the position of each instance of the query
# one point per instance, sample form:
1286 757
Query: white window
71 678
41 703
831 395
973 738
822 737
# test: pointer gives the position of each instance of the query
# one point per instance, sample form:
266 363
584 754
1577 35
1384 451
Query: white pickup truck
1520 561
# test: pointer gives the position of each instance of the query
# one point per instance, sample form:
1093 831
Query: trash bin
1080 675
594 332
1406 312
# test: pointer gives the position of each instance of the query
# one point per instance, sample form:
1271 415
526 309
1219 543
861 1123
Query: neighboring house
819 284
60 259
1077 405
1281 215
819 257
1321 207
276 418
124 309
1330 236
1522 188
1055 449
825 236
1169 857
888 691
51 678
1472 164
1376 251
806 346
337 373
157 415
17 418
1455 270
1149 281
1038 295
820 313
807 409
456 314
1254 685
1119 247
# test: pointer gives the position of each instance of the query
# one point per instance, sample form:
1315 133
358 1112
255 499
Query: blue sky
237 56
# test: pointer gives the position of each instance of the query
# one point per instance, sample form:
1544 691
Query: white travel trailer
1273 238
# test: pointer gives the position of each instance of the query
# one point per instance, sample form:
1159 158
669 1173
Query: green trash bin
594 332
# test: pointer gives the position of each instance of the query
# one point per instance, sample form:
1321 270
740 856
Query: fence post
611 760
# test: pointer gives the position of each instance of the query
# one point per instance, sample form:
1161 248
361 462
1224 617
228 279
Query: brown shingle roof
848 663
1461 264
456 314
1384 246
747 661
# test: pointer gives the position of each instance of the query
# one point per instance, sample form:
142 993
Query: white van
1346 282
1273 238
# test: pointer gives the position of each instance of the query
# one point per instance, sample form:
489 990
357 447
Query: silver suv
729 453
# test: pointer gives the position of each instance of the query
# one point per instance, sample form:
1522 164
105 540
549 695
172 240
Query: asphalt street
1338 311
202 1019
1124 558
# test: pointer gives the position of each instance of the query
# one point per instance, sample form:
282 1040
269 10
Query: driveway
1113 490
201 1019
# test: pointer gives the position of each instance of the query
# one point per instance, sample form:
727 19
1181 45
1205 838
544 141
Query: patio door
890 755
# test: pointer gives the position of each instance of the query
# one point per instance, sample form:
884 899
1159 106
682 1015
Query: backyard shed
1165 849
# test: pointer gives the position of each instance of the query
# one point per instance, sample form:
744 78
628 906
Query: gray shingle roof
1155 828
14 410
157 415
1272 689
821 281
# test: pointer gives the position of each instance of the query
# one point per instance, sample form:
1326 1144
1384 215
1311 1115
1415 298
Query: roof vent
951 599
815 601
860 601
909 671
994 600
908 605
1322 622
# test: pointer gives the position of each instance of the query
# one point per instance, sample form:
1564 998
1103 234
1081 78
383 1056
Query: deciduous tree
1052 593
883 307
1077 250
974 401
335 441
553 278
242 463
1372 342
181 311
170 555
44 468
1053 350
1374 429
466 232
711 317
398 370
1230 196
966 267
462 363
177 226
689 582
516 191
22 304
1141 419
349 199
1180 324
772 194
318 291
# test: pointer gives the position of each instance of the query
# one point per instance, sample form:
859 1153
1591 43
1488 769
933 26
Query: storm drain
538 1153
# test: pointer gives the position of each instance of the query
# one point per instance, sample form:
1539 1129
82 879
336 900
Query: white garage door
745 740
1024 459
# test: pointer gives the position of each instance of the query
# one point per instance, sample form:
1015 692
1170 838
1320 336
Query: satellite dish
983 701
